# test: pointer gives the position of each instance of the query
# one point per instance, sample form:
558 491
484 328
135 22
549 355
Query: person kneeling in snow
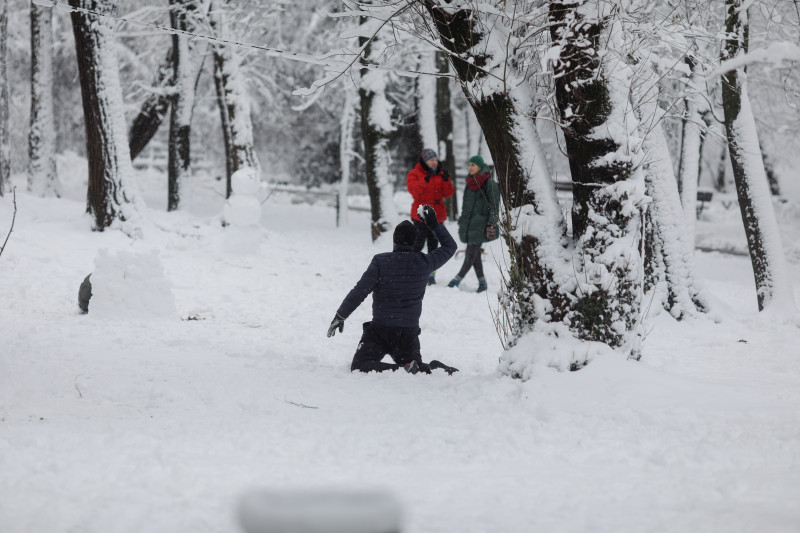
397 281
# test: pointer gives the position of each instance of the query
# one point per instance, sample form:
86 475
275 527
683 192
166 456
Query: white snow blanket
117 426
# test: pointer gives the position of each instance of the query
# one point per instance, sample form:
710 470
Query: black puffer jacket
397 281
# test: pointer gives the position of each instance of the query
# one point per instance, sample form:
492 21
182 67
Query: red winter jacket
432 192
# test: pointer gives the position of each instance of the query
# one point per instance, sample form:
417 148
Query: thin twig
300 404
80 395
13 218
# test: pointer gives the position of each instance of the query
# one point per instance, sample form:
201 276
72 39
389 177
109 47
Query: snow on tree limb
778 54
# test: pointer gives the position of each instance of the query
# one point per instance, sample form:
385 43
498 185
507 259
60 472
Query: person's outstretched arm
447 249
354 298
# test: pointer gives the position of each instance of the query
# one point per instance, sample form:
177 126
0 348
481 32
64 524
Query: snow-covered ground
133 421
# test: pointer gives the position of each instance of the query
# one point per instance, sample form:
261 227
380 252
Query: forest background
298 142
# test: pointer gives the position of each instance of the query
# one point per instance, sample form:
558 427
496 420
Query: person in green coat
478 221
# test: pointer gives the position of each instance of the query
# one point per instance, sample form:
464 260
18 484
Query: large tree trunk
773 285
42 177
234 104
110 196
5 139
540 279
376 125
444 128
608 185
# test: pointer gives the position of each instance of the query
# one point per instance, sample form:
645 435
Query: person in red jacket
429 183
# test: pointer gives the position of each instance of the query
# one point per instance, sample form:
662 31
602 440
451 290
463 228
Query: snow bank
551 346
128 285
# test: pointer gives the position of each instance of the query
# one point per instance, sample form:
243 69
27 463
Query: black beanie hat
405 233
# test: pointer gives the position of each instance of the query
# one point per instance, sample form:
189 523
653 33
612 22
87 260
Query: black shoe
438 364
412 367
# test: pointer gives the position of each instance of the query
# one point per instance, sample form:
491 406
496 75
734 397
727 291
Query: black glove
428 216
445 175
337 322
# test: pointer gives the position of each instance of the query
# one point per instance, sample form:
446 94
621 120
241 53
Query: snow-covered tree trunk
153 109
111 196
182 13
540 280
42 177
376 125
593 84
669 246
346 128
237 125
691 148
426 102
225 121
444 128
669 240
5 139
773 285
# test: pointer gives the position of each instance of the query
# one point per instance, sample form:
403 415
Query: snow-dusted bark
691 147
669 248
669 237
153 109
541 282
773 285
376 125
5 139
182 15
593 83
42 177
111 196
346 128
234 103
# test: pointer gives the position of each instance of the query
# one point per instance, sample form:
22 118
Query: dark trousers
401 344
472 259
425 234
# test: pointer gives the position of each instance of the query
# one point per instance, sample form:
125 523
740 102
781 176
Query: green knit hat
478 160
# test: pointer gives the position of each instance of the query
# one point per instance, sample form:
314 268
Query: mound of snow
130 285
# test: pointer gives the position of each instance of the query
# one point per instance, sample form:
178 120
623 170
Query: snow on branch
776 53
336 63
